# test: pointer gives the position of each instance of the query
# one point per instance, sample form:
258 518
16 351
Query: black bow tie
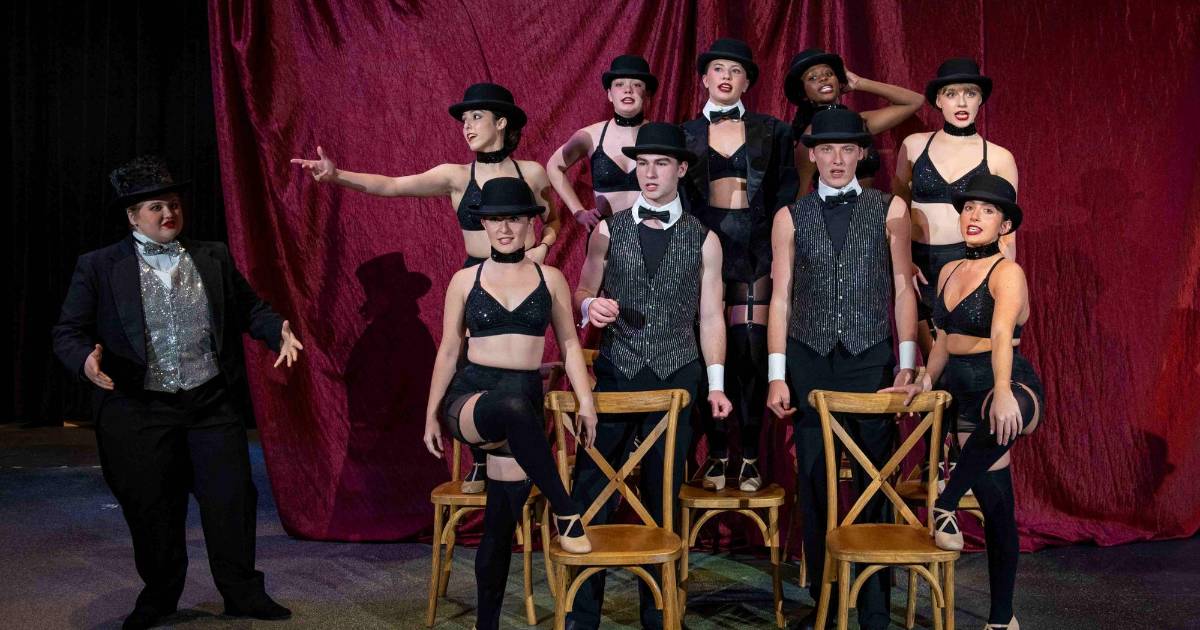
153 249
733 113
646 214
832 201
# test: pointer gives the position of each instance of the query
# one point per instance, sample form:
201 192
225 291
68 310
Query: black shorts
472 379
969 379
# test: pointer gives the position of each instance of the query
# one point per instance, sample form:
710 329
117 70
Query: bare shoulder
999 154
532 168
1008 271
553 275
917 140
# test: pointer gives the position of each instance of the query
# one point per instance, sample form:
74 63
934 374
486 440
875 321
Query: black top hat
992 189
142 178
630 67
837 126
793 85
661 138
957 70
733 50
493 98
506 197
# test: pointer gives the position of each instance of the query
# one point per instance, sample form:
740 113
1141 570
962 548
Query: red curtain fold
1095 100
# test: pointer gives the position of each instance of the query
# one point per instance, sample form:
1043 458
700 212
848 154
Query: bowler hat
493 98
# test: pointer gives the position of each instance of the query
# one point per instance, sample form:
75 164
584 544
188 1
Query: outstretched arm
436 182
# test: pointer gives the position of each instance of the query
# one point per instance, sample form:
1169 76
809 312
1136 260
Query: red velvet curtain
1097 101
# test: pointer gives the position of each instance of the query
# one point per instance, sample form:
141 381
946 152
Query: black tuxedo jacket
771 179
104 306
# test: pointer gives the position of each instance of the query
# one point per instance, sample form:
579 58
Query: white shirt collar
674 207
713 107
160 263
824 191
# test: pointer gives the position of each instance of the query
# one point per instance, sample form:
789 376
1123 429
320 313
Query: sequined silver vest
179 341
843 296
656 326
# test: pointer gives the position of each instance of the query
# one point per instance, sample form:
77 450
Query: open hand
91 369
289 348
1005 419
585 426
852 80
433 437
322 169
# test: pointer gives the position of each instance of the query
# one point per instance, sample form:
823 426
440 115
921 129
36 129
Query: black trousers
155 448
614 439
840 371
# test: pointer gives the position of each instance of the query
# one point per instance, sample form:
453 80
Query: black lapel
126 282
758 154
210 273
696 134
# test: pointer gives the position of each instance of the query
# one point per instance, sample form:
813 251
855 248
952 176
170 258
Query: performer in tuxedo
627 84
154 321
491 123
743 173
841 266
660 269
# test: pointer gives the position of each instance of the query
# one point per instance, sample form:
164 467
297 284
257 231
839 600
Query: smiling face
160 218
507 234
627 96
836 162
821 84
960 103
658 176
982 223
483 130
725 81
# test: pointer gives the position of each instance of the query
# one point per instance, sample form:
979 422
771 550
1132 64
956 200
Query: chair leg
803 567
938 613
546 552
560 604
448 561
910 613
435 570
685 527
776 579
671 618
948 589
843 595
826 590
527 553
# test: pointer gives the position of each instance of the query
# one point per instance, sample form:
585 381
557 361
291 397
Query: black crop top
473 194
607 175
928 185
720 166
973 315
485 316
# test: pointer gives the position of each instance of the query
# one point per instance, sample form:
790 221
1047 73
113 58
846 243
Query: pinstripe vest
842 297
656 326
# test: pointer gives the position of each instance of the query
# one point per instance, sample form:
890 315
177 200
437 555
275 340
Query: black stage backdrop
90 85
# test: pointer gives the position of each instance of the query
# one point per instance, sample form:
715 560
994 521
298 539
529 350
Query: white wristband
716 377
583 309
776 366
908 355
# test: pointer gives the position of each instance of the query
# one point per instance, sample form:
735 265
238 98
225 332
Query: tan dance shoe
749 479
572 544
476 480
714 474
1012 625
946 534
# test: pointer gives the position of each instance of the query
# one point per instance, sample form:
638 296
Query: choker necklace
951 130
983 251
492 157
828 106
631 121
511 257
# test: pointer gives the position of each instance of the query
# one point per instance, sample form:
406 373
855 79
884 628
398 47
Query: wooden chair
450 505
880 545
632 547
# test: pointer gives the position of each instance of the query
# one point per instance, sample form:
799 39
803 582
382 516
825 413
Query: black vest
656 326
842 297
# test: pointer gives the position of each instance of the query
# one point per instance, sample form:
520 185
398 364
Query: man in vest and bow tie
841 264
155 323
659 268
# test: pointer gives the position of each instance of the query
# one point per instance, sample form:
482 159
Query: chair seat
915 492
450 493
878 543
695 496
621 545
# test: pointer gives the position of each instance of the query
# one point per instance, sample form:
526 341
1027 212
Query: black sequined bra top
486 316
720 166
928 185
473 194
973 315
607 175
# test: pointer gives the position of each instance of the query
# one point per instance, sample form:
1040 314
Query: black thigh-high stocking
978 454
995 493
746 385
500 517
510 416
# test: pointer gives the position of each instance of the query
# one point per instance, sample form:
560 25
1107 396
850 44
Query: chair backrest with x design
668 401
881 480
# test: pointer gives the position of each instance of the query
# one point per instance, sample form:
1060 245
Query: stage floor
67 563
